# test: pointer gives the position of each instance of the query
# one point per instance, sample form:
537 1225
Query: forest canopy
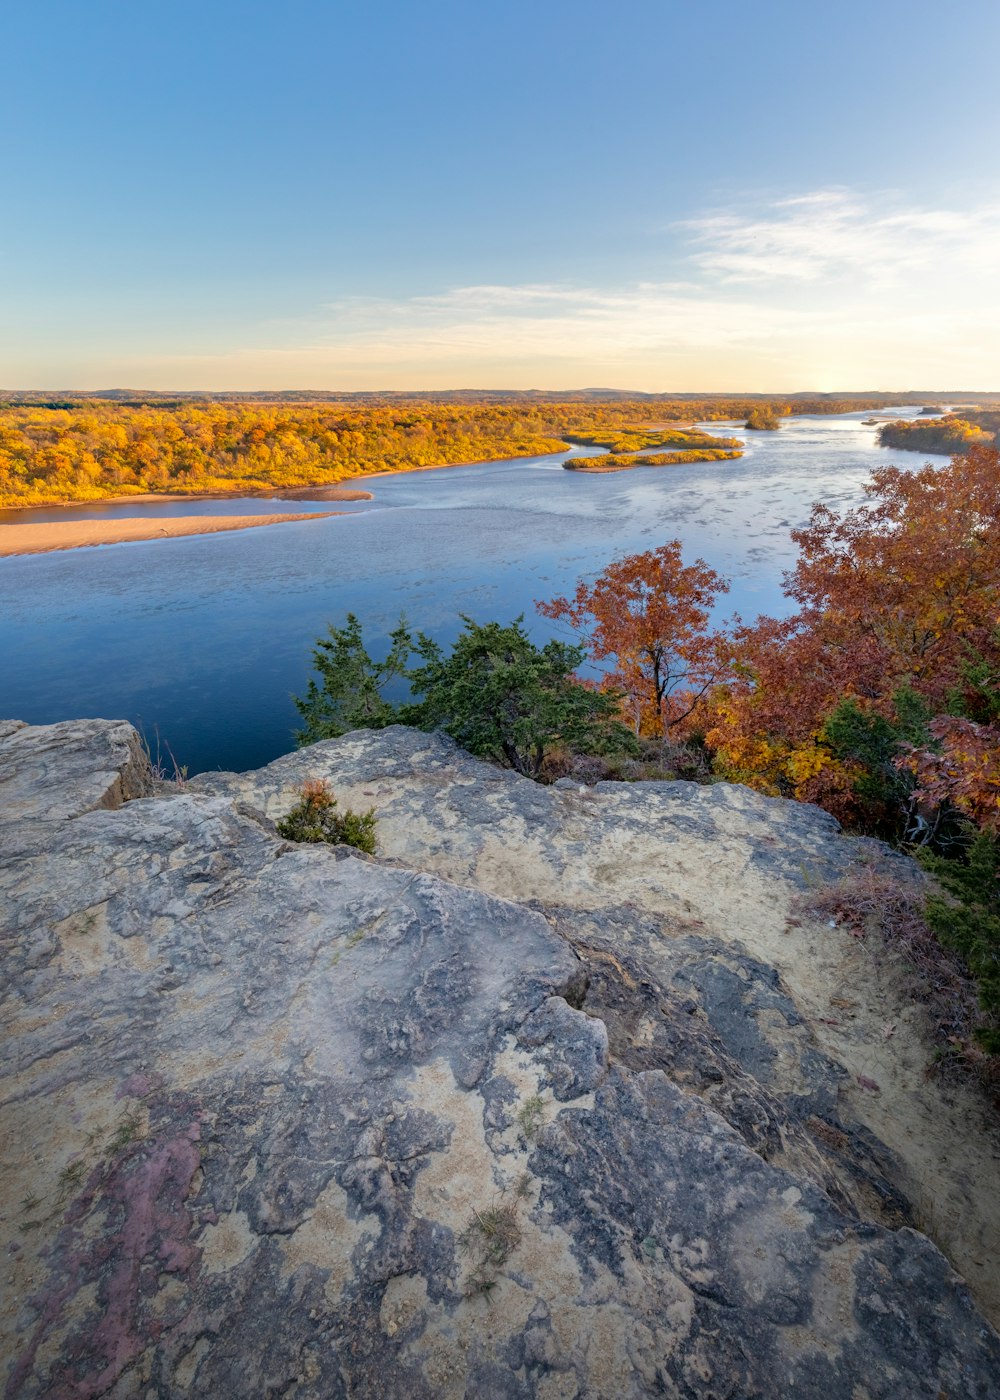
67 448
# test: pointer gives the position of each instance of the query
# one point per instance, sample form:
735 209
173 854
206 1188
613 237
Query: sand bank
322 493
72 534
327 492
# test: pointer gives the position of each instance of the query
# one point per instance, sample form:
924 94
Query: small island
763 419
939 436
636 448
618 462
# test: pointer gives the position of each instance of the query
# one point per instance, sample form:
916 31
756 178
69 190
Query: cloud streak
833 234
823 279
824 290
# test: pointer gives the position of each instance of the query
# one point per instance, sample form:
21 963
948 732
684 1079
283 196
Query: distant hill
863 398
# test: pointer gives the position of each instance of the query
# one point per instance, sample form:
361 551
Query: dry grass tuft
491 1237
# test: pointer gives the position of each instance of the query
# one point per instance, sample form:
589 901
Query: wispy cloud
826 278
833 233
534 319
827 289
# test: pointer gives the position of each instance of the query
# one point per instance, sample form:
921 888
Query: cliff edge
554 1097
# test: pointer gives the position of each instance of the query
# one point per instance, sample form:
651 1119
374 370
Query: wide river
202 641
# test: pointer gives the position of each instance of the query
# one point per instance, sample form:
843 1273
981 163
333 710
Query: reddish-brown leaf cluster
649 612
903 591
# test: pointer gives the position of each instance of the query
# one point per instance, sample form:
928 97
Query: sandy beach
73 534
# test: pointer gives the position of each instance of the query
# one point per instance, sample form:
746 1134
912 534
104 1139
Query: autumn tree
649 612
935 435
900 596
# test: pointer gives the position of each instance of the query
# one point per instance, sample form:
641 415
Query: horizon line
480 389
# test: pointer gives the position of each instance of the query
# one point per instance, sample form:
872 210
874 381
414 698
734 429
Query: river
202 641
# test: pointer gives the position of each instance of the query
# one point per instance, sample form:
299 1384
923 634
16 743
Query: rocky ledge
537 1102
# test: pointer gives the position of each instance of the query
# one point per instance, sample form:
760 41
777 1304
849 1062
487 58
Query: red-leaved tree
649 612
903 592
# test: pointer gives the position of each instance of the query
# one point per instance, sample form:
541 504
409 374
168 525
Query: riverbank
77 534
323 491
492 538
327 491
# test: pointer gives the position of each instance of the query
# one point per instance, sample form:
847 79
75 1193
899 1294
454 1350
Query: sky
662 195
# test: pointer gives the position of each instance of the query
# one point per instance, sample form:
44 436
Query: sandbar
74 534
324 492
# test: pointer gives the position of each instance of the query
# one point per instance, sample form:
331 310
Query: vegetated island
636 448
764 419
121 444
942 436
44 536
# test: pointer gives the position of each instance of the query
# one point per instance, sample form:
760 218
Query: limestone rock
285 1120
645 868
61 770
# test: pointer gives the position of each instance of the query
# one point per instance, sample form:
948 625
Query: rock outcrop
521 1107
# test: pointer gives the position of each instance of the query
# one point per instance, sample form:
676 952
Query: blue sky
665 196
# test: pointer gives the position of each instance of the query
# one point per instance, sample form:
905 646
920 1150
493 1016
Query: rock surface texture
533 1104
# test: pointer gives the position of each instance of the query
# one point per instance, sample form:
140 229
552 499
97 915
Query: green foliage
978 697
349 695
966 917
495 693
872 744
313 819
501 697
531 1117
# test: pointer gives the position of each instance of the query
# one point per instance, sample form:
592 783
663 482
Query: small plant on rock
314 819
531 1117
490 1238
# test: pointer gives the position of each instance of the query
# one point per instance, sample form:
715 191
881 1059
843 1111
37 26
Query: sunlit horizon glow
798 230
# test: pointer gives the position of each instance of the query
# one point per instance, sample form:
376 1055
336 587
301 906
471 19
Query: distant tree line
65 448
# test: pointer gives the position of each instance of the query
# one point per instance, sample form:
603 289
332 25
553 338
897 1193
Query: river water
202 641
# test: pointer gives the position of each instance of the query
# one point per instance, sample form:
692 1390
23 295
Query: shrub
350 690
966 918
313 819
495 693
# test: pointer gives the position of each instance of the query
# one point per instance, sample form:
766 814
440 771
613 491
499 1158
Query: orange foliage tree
899 597
649 612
